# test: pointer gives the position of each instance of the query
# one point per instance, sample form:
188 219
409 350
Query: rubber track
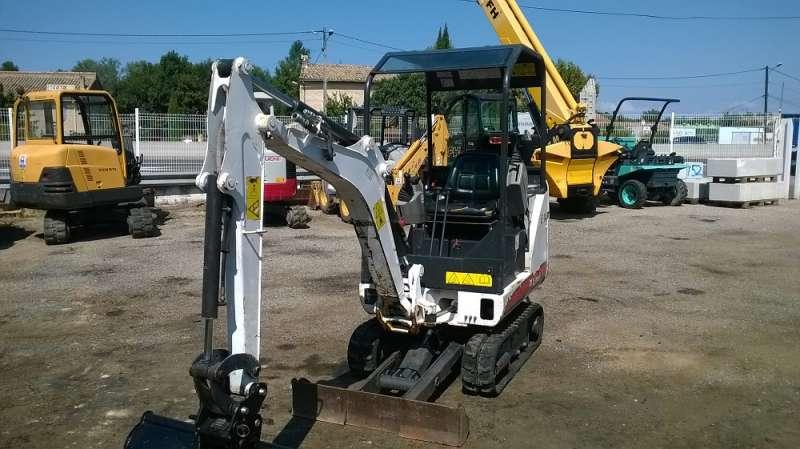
360 347
483 377
56 229
141 223
469 364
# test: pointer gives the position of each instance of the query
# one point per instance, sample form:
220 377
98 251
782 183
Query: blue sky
605 46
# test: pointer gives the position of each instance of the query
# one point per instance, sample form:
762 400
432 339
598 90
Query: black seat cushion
473 185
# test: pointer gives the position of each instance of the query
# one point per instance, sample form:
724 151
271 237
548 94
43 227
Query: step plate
426 421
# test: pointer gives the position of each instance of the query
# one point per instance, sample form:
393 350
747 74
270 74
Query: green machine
640 174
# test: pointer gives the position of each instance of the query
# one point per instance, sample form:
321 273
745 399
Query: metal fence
5 143
700 137
173 145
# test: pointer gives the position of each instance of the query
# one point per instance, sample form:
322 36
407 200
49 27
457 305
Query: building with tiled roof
343 79
23 82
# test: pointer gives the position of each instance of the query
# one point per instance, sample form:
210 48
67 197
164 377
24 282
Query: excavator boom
578 158
512 27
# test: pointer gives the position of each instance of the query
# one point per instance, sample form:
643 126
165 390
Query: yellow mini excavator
577 159
70 159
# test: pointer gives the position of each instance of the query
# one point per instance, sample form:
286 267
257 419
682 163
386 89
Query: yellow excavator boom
577 160
512 27
417 154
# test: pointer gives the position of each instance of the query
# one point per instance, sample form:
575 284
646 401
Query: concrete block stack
744 182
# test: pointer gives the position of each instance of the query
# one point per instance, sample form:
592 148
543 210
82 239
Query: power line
786 75
783 100
364 41
696 86
347 44
744 103
647 15
686 77
85 34
124 42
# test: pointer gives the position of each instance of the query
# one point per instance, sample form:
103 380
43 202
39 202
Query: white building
589 98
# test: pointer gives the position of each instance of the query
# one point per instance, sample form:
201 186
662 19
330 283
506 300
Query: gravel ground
665 327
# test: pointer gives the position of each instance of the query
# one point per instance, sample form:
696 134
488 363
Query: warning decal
473 279
252 198
379 214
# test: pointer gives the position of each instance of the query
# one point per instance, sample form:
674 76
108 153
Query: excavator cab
470 215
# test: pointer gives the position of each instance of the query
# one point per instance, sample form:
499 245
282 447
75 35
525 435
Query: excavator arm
226 380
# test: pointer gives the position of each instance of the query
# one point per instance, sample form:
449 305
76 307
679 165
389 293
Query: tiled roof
336 72
31 81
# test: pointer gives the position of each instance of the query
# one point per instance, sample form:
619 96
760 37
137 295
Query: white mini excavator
447 273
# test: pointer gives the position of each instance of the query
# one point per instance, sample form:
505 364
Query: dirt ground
665 327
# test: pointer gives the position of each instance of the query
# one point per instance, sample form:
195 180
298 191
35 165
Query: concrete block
743 192
192 199
742 167
698 189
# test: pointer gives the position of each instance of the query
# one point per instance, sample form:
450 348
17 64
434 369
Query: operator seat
474 186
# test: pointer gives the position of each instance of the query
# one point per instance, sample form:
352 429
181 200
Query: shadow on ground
10 234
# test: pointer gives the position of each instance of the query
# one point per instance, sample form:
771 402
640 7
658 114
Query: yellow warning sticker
379 214
473 279
253 198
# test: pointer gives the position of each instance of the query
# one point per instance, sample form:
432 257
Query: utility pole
325 34
766 90
766 86
780 108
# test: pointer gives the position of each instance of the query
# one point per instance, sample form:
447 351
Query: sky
606 46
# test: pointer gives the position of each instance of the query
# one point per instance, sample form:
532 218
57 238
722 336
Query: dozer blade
426 421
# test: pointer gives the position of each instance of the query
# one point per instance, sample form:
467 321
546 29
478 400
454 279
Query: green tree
9 66
173 85
261 74
338 104
6 98
408 91
138 88
573 76
443 41
652 112
287 73
107 70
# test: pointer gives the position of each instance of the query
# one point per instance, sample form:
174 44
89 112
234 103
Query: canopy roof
468 68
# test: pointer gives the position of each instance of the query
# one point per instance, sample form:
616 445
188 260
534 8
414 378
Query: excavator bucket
418 420
158 432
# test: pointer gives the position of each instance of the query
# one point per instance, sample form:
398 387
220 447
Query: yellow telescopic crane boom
512 27
577 159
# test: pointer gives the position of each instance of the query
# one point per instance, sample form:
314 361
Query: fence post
136 153
671 135
12 128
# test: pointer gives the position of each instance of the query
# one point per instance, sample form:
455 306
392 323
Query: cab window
88 119
19 124
41 120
